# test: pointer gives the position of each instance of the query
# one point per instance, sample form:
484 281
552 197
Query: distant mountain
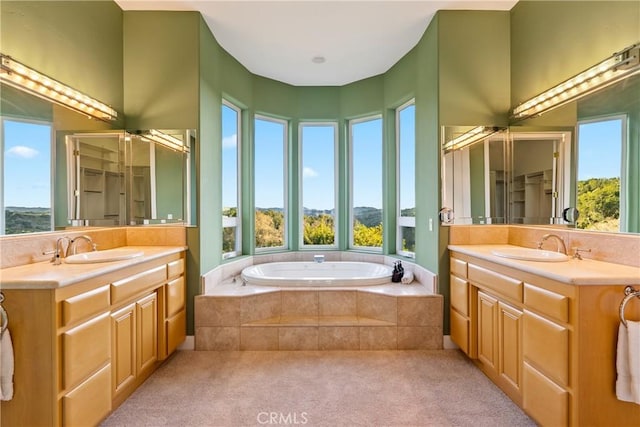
368 216
18 219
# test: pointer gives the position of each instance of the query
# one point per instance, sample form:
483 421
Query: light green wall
161 69
86 55
474 64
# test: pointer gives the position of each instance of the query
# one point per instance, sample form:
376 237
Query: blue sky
599 149
27 164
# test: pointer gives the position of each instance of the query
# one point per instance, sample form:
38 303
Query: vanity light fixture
165 139
31 81
612 70
470 137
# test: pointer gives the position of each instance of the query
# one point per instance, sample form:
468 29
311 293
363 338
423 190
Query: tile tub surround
229 316
318 320
618 248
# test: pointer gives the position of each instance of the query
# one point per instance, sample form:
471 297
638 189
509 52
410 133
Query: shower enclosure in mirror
505 177
127 178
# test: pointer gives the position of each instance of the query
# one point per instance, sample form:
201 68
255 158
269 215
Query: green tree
269 232
367 236
599 204
318 230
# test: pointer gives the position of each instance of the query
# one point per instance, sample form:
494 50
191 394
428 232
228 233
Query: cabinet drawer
460 295
547 302
505 285
85 348
90 402
460 331
175 296
546 346
545 401
459 267
175 268
127 288
176 331
84 305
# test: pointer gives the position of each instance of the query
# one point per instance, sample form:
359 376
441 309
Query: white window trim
52 166
402 221
285 180
301 186
237 221
353 122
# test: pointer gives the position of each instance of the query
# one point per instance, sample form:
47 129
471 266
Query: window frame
228 222
336 170
285 181
52 170
351 213
402 221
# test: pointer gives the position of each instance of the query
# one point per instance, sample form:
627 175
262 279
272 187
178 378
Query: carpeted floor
318 388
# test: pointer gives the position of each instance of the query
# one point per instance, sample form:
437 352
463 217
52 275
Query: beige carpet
318 388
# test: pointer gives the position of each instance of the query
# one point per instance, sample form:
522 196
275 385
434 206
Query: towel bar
4 319
630 293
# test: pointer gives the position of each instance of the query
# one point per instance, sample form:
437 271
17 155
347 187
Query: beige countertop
573 271
46 275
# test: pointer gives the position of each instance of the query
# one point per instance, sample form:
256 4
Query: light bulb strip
31 81
167 140
470 137
613 69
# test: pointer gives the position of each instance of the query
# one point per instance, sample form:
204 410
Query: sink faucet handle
576 253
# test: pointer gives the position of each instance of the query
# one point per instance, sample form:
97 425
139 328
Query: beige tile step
318 321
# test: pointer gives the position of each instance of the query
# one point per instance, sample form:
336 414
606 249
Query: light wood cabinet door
147 332
123 327
544 400
90 402
487 330
460 331
510 345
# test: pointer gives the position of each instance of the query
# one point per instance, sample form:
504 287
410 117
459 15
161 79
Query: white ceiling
279 39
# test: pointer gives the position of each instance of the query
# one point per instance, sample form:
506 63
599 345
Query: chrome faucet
559 242
59 252
318 258
73 246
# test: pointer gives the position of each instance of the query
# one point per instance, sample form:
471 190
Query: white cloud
22 151
230 141
307 172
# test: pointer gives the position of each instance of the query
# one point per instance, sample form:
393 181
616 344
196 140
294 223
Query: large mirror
129 178
538 175
61 169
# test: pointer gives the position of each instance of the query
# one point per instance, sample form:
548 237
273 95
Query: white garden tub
315 274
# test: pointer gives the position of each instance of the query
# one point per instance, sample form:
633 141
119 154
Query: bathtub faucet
318 258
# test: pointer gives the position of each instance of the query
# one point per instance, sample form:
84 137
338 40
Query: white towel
628 362
6 366
407 277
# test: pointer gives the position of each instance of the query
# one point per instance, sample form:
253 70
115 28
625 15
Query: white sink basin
528 254
103 256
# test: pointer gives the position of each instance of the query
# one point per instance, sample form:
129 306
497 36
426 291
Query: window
406 146
270 173
365 138
231 237
600 179
27 161
318 184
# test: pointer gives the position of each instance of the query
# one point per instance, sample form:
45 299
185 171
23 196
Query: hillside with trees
599 204
19 220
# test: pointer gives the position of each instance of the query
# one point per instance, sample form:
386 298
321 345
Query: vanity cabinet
81 349
549 345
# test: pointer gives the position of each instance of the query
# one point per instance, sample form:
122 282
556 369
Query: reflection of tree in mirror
20 220
599 204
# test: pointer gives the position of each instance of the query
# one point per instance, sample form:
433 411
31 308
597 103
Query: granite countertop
46 275
573 271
